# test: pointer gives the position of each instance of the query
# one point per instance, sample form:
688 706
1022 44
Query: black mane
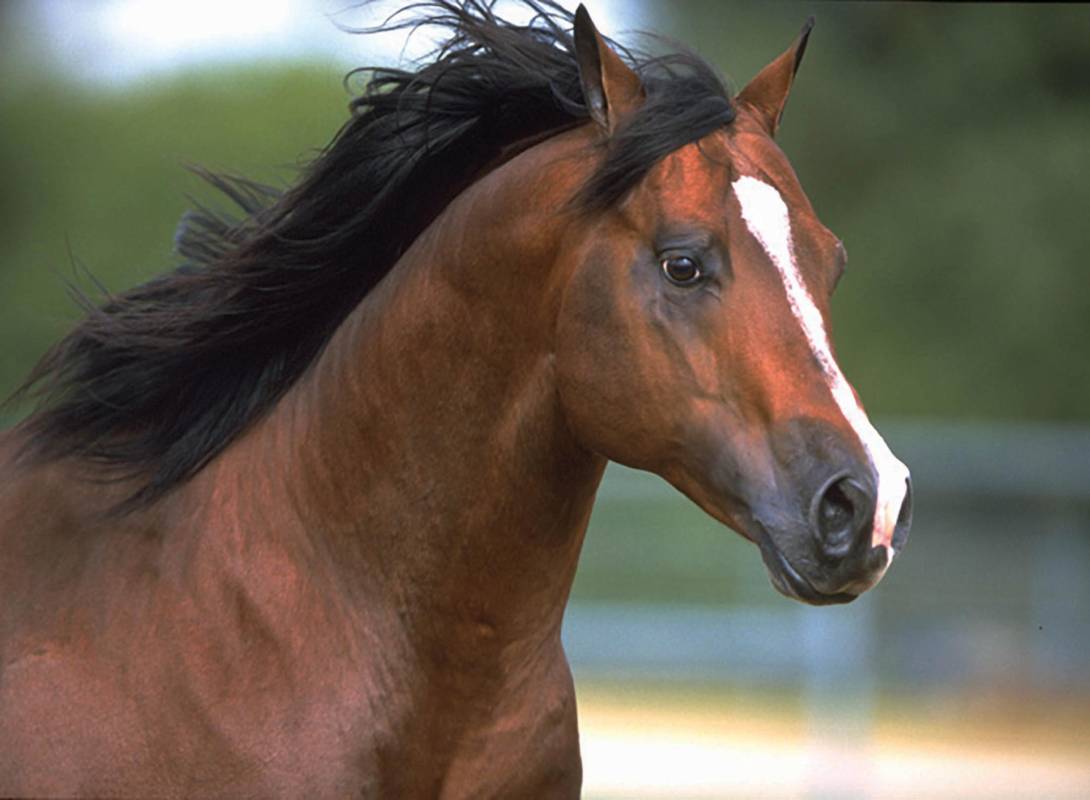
155 382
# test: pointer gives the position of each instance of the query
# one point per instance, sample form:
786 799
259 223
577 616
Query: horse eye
681 270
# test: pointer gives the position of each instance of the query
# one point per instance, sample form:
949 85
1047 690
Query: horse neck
427 449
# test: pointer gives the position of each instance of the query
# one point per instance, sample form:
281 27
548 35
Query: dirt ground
642 741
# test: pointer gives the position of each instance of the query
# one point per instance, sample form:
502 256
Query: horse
301 516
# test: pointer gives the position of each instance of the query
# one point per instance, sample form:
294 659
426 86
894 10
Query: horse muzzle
831 557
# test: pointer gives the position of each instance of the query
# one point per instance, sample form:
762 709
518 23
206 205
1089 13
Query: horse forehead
758 156
693 180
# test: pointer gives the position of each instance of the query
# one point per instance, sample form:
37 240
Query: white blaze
766 216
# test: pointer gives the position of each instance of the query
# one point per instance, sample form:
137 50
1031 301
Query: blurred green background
949 147
945 144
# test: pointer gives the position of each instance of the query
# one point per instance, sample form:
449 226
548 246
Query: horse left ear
611 89
766 94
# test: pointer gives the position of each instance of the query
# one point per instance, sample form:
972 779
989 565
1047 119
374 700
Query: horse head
692 341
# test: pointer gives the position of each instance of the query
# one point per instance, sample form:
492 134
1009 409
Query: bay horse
300 518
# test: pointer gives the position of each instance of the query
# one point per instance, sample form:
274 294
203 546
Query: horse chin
789 582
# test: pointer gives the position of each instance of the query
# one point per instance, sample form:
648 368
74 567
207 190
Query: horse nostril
837 515
836 509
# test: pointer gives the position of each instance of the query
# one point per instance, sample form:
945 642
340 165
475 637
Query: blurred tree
946 144
97 177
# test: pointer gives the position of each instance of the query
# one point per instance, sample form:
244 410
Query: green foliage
947 145
98 178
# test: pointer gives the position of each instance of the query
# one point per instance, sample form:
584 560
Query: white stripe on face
766 217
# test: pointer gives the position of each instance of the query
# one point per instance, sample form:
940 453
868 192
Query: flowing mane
156 381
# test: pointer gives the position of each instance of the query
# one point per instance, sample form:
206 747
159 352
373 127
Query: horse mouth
790 583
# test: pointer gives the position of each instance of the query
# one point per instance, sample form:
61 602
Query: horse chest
511 744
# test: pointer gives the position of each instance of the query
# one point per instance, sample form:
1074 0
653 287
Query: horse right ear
611 90
766 94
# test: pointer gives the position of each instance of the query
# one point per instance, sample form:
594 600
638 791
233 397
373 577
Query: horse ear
766 94
611 89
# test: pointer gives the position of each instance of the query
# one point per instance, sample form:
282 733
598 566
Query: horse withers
301 517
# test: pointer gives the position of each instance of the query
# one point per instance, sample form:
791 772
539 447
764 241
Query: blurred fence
992 589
